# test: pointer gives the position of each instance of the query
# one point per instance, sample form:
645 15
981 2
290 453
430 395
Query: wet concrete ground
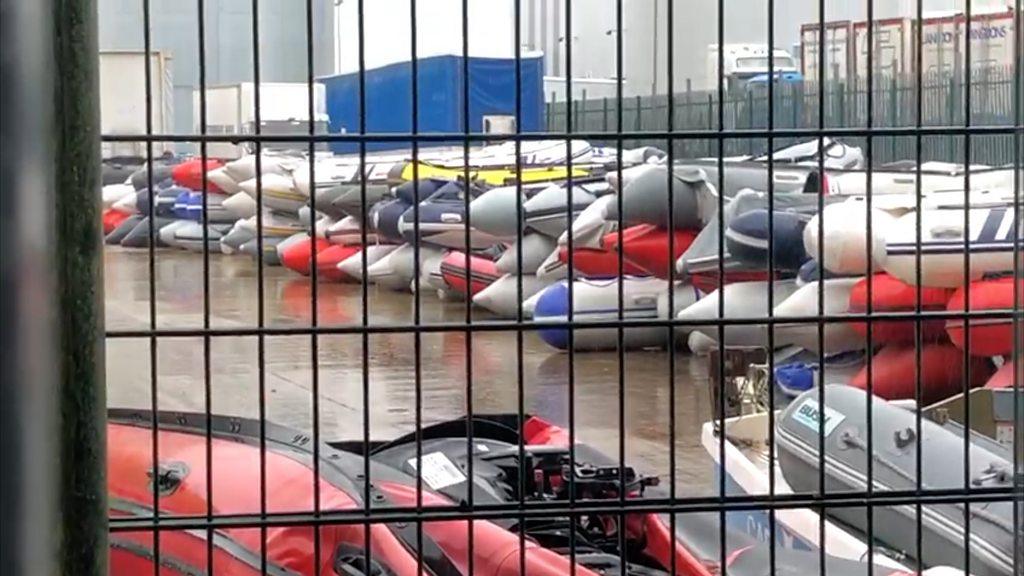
451 367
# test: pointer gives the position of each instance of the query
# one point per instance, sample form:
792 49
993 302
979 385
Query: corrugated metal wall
228 41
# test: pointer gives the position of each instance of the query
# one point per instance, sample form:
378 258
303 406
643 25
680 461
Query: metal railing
795 105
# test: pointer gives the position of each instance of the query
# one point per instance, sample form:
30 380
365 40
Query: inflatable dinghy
598 262
837 336
651 548
547 211
645 200
843 422
494 211
347 200
593 223
748 236
741 300
481 274
647 247
278 192
138 237
348 231
328 260
240 205
112 219
988 336
190 174
299 255
442 223
126 225
352 266
889 294
894 372
845 250
220 178
396 270
598 301
535 248
989 242
502 297
239 235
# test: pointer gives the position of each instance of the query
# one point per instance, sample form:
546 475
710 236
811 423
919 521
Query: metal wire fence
795 106
209 493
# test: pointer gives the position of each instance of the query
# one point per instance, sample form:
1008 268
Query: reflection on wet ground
448 363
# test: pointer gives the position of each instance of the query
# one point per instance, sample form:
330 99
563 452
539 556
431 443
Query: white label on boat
810 414
438 471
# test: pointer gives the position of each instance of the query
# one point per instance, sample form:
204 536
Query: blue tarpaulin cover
492 84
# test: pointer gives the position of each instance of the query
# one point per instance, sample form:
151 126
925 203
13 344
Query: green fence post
750 120
688 122
79 270
581 118
604 113
711 120
841 96
894 118
639 120
951 111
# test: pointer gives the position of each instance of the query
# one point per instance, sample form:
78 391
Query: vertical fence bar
29 488
79 269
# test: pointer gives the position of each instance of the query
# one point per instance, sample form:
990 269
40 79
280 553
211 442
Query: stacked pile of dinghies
634 239
882 260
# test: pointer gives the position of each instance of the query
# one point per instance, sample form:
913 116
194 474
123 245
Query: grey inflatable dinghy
139 235
646 197
122 229
236 238
843 421
347 199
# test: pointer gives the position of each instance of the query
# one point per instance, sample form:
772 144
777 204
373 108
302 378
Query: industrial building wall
229 57
387 26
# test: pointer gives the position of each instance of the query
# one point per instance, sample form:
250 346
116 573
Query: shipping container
992 37
123 99
893 48
284 109
439 86
838 53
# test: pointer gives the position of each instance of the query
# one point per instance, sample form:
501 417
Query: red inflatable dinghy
299 255
1003 378
482 272
327 262
241 451
111 219
647 246
190 174
989 336
601 262
890 294
893 372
